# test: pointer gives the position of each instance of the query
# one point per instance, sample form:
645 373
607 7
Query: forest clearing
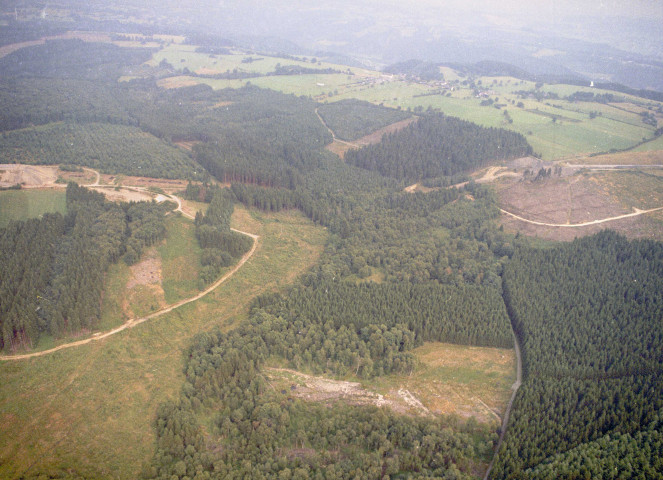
447 380
585 199
87 393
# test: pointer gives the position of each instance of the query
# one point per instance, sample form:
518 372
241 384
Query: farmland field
556 128
24 204
185 56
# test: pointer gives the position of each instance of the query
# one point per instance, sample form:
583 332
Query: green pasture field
555 128
185 56
314 85
88 411
24 204
572 133
656 144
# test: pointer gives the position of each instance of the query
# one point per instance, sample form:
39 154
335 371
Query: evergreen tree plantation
399 268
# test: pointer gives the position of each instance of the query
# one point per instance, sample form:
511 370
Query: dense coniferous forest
52 268
72 59
352 119
38 101
399 269
107 147
588 315
221 246
436 146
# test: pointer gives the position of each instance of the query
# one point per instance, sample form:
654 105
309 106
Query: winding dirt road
137 321
334 137
636 212
516 385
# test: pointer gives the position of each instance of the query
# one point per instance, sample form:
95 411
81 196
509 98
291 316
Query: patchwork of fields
555 127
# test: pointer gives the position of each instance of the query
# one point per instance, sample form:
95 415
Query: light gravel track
131 323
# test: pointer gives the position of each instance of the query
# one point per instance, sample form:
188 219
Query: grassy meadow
87 411
24 204
457 380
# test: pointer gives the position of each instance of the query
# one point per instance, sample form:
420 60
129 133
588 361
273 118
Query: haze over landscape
368 240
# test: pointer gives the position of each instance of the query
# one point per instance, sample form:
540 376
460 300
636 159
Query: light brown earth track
137 321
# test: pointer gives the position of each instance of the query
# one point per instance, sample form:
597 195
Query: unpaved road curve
609 167
336 139
137 321
584 224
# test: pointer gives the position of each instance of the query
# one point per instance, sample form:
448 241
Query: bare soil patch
27 175
144 285
222 104
147 271
207 71
376 137
328 391
177 82
339 148
119 194
188 146
571 200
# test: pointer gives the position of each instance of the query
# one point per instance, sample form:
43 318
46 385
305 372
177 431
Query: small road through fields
584 224
137 321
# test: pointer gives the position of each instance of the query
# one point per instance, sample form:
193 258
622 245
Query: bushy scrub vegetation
52 269
588 316
352 119
107 147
